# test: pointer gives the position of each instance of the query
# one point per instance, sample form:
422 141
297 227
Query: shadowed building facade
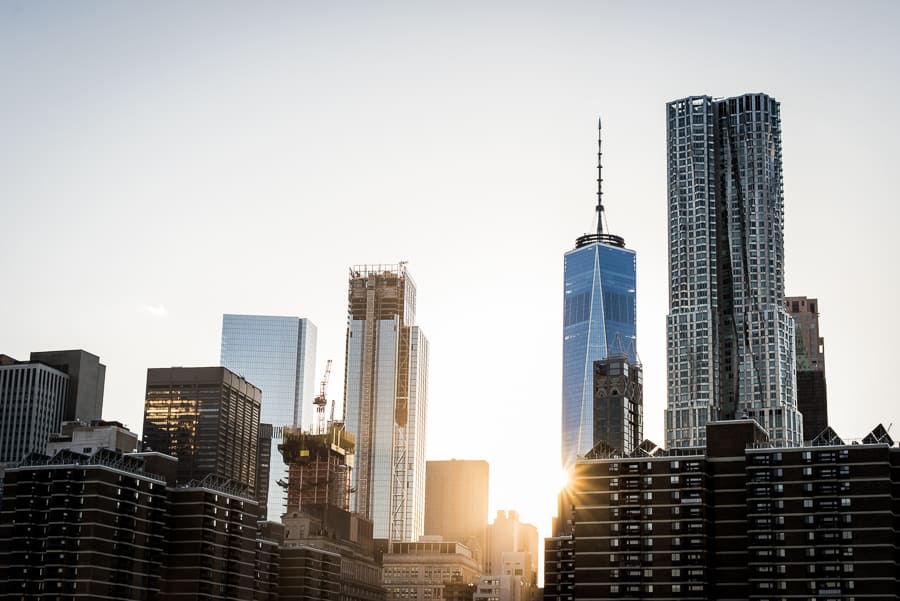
618 404
739 519
207 418
730 338
385 400
77 526
812 395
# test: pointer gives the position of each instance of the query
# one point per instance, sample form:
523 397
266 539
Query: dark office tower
618 404
212 542
730 338
206 417
32 404
456 502
812 397
87 377
598 321
385 400
319 467
77 526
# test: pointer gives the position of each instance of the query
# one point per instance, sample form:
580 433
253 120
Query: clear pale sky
163 163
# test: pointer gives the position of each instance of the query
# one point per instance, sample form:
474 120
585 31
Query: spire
599 178
600 236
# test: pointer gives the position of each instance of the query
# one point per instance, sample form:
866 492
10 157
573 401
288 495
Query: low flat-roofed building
421 570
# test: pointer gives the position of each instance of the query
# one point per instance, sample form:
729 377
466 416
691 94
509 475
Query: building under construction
385 400
319 466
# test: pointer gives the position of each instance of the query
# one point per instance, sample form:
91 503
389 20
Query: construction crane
320 401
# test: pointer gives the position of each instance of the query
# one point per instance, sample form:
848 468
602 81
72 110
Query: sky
164 163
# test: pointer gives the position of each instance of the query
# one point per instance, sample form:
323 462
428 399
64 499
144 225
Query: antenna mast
599 178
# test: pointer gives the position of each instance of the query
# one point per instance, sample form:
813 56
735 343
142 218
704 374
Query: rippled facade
278 355
730 338
598 321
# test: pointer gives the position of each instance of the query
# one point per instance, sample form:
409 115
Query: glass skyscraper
598 322
278 355
730 338
385 400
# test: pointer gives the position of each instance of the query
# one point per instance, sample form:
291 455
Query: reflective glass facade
598 321
730 338
278 355
385 401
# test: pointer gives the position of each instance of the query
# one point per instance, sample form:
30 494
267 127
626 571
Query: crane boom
320 401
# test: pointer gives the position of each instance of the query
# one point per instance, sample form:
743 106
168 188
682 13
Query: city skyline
139 139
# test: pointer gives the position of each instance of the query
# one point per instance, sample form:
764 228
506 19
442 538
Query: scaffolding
319 466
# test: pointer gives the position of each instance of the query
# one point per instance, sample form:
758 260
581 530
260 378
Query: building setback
730 339
812 396
277 354
212 548
744 519
385 400
206 417
456 502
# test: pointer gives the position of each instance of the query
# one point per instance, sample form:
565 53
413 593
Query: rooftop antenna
599 178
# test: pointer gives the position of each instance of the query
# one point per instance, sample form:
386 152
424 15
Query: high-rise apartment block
212 543
598 321
277 354
385 400
87 378
114 525
741 519
618 404
730 338
32 404
812 396
82 527
207 418
456 502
